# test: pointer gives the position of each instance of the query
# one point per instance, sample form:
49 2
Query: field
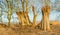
17 30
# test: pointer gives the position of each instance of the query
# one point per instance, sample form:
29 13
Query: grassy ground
16 30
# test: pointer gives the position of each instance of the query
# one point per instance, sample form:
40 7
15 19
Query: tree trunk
34 20
45 18
23 5
9 11
35 15
26 14
20 17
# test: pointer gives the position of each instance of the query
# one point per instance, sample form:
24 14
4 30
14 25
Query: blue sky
53 14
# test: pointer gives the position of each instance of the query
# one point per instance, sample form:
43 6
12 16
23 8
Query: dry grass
16 30
55 22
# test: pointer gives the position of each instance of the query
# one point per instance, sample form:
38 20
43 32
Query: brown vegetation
26 27
16 30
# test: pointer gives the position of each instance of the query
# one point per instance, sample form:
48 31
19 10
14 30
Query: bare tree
9 11
45 17
24 15
35 15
